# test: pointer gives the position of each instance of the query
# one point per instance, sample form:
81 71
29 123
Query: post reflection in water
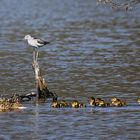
36 122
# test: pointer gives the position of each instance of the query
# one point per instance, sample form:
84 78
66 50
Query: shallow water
94 51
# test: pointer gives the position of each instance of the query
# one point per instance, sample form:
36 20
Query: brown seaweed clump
7 105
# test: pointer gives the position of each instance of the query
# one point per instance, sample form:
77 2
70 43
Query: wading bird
35 43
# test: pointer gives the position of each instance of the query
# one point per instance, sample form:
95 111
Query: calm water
94 51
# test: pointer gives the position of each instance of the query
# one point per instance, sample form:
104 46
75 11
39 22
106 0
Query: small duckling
117 102
91 101
55 104
75 104
63 103
98 100
138 101
101 103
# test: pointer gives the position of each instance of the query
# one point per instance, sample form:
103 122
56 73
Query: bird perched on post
36 43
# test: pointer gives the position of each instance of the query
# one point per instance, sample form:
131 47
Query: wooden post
41 86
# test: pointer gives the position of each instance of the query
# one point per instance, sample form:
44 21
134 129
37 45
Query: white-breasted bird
36 43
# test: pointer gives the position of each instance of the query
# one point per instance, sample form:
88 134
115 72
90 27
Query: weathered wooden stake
41 86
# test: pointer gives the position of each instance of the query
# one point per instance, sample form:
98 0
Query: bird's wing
40 41
43 42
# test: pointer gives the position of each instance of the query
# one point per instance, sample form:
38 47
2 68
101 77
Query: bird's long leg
34 55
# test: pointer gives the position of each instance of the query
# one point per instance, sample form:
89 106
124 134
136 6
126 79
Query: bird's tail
46 42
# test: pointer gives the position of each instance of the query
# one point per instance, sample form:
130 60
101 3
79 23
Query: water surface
94 51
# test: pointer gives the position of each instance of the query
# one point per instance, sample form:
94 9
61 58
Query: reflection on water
93 51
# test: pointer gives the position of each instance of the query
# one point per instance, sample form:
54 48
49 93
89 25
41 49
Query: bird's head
27 37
